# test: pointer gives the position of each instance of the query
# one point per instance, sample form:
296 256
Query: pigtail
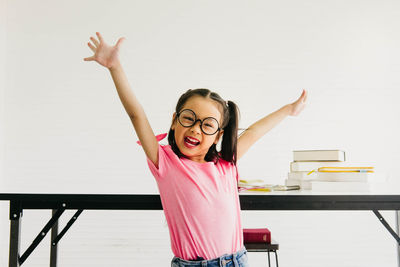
230 136
212 154
171 142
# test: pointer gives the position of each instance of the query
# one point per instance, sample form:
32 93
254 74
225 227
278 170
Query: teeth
193 140
190 144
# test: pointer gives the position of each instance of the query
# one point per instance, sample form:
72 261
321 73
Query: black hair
230 122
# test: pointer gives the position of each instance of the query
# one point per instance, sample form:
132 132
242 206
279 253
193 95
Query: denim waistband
202 262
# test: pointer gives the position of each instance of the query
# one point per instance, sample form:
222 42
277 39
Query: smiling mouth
191 142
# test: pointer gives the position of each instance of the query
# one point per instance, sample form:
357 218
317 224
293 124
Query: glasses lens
210 126
186 118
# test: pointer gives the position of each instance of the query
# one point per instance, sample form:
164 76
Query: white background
63 128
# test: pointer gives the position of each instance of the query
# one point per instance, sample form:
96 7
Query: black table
58 203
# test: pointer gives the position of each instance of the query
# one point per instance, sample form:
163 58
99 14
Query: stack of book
254 185
327 170
260 185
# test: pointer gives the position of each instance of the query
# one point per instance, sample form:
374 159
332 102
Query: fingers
120 41
96 43
305 95
300 99
89 58
92 47
100 37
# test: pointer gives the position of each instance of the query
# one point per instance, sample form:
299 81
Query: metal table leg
397 213
15 233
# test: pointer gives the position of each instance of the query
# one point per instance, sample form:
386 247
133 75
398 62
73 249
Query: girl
197 183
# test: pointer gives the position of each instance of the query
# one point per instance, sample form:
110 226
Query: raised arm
107 56
261 127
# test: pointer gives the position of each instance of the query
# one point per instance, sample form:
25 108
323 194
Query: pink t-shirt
201 205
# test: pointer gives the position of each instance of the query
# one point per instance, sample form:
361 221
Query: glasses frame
195 121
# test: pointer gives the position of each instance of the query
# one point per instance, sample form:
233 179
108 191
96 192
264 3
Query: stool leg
276 258
269 260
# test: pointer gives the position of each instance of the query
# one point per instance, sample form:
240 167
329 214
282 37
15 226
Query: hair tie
226 103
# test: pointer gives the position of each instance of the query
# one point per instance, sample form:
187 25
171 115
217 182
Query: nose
196 127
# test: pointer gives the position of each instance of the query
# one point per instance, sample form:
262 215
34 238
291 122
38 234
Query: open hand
297 106
104 54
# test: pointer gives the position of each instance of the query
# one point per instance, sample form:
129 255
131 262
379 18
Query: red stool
259 240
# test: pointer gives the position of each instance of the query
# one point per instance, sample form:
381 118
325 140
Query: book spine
308 166
257 237
343 177
319 155
346 169
330 176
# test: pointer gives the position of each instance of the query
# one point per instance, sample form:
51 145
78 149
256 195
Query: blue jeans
238 259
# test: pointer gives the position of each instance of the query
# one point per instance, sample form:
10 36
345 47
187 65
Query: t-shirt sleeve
162 163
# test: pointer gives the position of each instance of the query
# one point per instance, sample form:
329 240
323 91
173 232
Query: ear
173 121
220 133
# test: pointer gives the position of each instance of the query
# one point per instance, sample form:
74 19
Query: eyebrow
216 117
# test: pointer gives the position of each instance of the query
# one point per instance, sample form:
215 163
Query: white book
307 166
304 176
340 186
319 155
344 176
253 183
331 176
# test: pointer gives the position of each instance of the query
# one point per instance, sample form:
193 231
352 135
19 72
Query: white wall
65 129
3 205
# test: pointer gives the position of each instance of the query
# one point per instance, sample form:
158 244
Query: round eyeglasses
209 125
